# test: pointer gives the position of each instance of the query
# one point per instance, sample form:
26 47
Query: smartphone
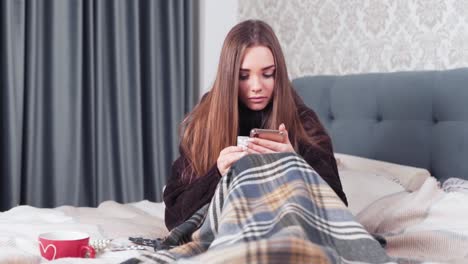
270 134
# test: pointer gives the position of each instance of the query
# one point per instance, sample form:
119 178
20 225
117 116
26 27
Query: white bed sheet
429 224
21 225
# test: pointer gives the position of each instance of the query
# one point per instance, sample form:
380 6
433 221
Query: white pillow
366 180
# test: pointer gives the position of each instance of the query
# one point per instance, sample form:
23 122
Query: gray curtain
91 95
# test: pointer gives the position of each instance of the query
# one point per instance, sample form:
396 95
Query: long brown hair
213 123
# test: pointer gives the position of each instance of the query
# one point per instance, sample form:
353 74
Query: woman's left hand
260 145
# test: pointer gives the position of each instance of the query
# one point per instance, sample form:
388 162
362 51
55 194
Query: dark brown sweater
183 199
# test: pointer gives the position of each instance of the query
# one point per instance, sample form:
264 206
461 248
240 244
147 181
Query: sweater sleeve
182 199
320 156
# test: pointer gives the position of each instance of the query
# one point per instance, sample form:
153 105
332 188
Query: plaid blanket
271 208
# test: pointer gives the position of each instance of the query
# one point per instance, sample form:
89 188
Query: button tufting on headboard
415 118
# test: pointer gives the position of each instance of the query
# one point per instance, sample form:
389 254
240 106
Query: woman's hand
259 145
229 156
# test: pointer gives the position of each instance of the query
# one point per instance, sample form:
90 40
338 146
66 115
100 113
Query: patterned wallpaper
355 36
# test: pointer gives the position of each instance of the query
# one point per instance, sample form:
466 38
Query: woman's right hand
229 156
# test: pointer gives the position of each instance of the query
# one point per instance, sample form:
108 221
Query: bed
404 136
401 143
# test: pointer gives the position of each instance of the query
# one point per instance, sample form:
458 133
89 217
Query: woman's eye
268 75
243 77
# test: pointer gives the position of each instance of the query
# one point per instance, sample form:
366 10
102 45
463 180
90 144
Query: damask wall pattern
356 36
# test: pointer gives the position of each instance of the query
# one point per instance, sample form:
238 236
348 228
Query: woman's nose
255 85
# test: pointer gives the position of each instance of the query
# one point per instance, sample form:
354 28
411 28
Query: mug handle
87 249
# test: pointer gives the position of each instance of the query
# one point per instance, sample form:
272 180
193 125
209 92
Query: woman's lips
258 99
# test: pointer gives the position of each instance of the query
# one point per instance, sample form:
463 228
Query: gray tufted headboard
412 118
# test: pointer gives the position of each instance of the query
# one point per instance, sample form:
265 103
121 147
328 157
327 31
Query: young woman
251 90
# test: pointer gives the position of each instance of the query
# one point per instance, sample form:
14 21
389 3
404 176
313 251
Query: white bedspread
20 227
429 224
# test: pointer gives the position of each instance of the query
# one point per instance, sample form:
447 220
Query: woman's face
257 77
